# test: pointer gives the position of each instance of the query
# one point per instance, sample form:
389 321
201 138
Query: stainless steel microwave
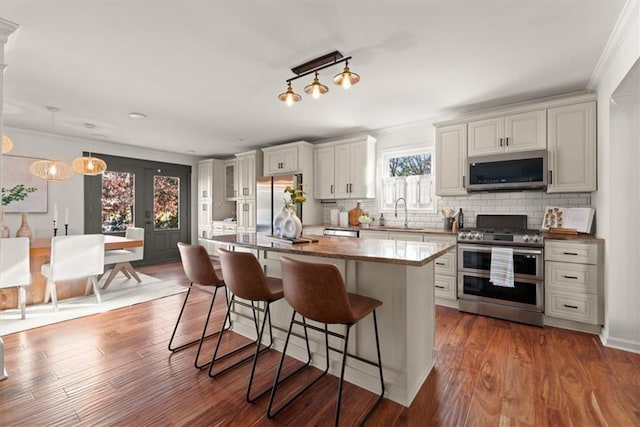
510 171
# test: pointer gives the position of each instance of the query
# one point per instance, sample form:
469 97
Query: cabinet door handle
571 306
550 177
245 207
570 253
464 181
439 263
204 194
500 142
507 141
439 287
347 190
204 208
570 277
331 188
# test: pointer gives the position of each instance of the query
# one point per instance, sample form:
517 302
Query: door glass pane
166 202
118 198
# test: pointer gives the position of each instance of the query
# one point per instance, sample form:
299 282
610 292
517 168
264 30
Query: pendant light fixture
7 144
346 78
88 165
316 88
51 170
289 96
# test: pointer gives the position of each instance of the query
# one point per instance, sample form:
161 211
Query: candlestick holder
66 229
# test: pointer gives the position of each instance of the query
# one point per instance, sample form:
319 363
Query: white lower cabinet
574 278
446 268
220 228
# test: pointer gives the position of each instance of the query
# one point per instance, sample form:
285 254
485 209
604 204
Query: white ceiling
207 73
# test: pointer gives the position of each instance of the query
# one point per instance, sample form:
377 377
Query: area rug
122 292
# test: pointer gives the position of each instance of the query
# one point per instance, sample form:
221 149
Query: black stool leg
277 382
344 364
379 399
267 315
204 330
215 357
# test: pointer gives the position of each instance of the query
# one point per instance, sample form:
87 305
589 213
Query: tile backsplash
530 203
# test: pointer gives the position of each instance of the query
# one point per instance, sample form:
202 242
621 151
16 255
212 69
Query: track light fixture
346 78
289 96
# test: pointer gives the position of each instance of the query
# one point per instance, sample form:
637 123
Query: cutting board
354 214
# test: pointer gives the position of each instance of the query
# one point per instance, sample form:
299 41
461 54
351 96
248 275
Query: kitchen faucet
406 221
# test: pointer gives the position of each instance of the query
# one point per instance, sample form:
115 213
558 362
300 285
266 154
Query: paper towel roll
335 216
344 219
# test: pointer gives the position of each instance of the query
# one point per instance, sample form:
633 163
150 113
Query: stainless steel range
524 302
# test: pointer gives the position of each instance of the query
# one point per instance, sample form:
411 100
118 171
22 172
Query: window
166 202
118 207
407 173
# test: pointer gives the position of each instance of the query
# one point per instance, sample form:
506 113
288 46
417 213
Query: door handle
500 142
331 188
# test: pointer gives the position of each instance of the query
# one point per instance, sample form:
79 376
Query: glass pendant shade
51 170
89 165
346 79
7 144
289 96
316 88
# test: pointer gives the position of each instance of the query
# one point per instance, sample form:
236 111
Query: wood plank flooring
114 369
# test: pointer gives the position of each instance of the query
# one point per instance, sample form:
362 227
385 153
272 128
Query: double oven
524 302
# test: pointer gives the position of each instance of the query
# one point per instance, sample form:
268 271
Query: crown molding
6 29
628 17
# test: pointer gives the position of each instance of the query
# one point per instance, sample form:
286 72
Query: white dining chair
121 258
74 257
15 268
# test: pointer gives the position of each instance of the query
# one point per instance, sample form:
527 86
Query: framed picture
15 172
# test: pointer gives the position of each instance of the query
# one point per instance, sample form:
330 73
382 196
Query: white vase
287 224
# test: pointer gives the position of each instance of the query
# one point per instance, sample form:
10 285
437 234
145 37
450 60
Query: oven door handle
527 252
487 248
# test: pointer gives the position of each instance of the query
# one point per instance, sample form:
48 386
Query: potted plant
15 194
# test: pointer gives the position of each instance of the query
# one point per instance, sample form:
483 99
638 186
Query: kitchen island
399 273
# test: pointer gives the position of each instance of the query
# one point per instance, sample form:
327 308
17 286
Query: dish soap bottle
381 220
460 220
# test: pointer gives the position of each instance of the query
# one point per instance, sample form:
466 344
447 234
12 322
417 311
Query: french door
141 193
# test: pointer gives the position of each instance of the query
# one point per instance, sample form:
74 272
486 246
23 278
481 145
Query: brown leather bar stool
205 278
245 280
317 292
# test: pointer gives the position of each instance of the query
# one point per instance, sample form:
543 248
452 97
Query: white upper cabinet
205 179
572 148
345 169
324 171
451 158
249 167
517 132
230 179
279 160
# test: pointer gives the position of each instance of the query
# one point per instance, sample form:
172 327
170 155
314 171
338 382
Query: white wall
71 192
617 200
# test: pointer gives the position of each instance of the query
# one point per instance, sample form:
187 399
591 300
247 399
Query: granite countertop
587 238
371 250
385 228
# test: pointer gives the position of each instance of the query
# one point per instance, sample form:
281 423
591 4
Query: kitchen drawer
446 287
572 277
440 238
563 251
446 264
576 307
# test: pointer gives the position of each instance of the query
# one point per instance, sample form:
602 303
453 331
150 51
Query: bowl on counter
364 223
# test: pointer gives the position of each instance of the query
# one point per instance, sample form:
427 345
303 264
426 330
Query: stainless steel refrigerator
270 197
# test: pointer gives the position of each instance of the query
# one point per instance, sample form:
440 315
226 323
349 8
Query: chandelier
88 165
7 144
346 78
51 170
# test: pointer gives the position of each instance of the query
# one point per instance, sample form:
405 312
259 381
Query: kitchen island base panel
405 325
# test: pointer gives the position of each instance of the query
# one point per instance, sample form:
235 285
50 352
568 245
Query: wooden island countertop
369 250
401 274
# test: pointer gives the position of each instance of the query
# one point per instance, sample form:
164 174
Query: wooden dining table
39 254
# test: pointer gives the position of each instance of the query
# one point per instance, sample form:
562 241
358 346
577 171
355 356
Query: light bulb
53 170
289 99
316 91
346 82
90 165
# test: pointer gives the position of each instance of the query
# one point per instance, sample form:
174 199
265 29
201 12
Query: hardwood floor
114 369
